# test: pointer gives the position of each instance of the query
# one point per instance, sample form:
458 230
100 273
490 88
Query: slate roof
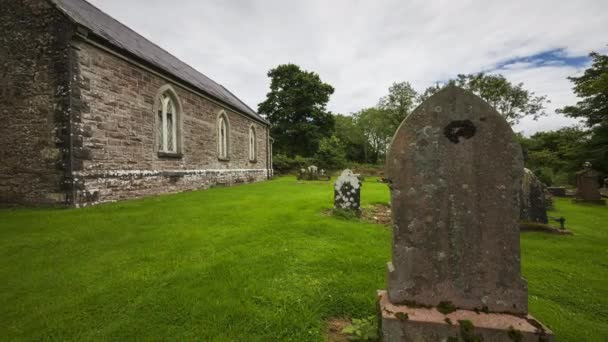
115 33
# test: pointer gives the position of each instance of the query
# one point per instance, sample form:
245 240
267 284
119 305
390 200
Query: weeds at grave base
345 214
334 328
362 329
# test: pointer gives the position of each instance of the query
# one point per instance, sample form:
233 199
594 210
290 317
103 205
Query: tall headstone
455 172
347 191
533 203
587 185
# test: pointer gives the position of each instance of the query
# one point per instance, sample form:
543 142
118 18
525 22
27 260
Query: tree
295 106
555 156
398 104
592 88
511 100
352 137
377 127
331 154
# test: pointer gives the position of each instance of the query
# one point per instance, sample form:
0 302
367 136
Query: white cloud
361 47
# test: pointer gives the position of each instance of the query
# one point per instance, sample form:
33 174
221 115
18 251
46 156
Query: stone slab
403 323
455 173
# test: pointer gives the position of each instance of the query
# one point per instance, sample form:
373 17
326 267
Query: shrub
331 155
283 164
364 329
545 175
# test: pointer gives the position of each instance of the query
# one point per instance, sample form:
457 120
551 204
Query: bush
331 155
545 175
283 164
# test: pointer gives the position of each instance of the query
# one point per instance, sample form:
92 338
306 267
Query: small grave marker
347 191
587 186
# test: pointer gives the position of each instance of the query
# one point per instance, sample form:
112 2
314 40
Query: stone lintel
403 323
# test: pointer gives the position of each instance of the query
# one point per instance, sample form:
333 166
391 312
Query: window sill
224 159
253 161
169 155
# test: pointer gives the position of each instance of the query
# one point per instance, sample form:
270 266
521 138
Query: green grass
568 275
258 262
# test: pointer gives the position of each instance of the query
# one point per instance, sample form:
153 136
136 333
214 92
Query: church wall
34 78
114 134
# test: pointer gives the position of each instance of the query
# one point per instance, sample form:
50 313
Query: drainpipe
269 142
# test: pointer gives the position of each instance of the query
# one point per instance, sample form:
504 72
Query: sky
362 47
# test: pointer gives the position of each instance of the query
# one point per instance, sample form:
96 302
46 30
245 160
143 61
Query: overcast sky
362 47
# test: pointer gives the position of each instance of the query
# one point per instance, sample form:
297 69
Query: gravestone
455 172
347 191
533 205
323 175
587 187
310 173
313 172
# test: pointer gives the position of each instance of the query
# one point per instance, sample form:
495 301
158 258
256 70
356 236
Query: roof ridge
122 36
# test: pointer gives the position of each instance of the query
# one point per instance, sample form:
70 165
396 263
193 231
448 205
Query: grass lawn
258 262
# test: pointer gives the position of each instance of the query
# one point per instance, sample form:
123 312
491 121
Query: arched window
167 125
223 136
252 144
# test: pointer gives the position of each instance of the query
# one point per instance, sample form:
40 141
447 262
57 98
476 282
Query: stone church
94 112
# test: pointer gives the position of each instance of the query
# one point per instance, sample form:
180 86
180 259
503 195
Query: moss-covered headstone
455 172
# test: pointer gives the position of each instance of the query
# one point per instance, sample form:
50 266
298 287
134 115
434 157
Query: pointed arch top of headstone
455 171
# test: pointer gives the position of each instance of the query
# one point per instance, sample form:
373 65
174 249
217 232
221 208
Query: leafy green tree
511 100
592 88
352 137
398 104
378 131
296 108
555 156
331 155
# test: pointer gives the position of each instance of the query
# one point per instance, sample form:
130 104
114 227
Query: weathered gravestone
347 191
587 186
533 206
323 175
455 172
310 173
313 172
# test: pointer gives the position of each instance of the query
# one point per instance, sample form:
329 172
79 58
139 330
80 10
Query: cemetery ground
257 262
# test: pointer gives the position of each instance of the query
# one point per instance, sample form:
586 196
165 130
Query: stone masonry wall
34 78
114 139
